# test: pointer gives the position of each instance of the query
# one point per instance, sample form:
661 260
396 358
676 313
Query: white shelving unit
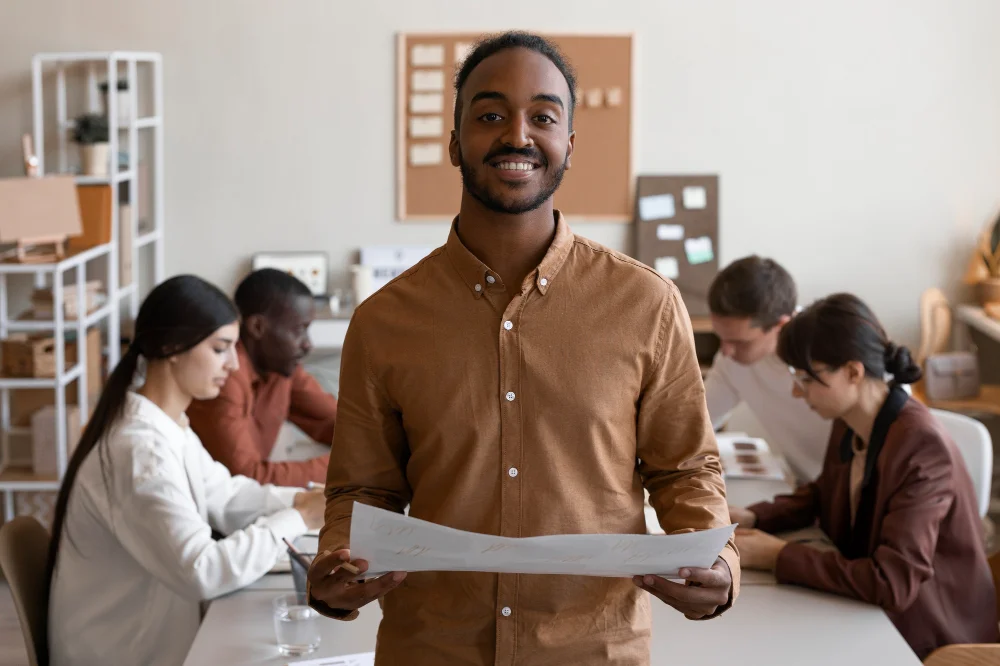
14 475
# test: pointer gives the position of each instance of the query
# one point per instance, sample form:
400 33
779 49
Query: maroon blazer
916 548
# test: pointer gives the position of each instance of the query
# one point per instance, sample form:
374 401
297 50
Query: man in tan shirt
521 381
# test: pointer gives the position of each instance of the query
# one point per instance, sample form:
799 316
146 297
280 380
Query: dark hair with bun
839 329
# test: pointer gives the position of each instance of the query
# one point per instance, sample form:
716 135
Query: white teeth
516 166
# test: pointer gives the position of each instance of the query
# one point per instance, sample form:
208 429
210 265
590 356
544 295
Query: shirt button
507 325
510 396
505 611
513 472
490 279
479 287
543 282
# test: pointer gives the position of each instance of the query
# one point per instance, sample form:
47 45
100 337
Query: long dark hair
839 329
177 315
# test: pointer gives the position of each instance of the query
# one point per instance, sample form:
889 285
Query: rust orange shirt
240 427
547 415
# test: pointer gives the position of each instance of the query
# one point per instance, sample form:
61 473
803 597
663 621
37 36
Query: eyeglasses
803 381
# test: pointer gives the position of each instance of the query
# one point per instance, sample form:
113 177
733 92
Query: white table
770 625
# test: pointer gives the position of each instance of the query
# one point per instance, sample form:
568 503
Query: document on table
363 659
393 542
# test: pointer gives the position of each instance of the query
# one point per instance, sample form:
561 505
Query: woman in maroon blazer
894 495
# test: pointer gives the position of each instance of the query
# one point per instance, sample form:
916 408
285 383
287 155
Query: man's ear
454 152
255 326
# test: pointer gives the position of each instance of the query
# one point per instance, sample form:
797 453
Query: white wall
858 141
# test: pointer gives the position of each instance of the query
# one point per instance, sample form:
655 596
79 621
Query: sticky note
698 250
426 103
423 127
657 207
423 80
669 232
694 198
462 50
667 267
427 55
613 97
426 154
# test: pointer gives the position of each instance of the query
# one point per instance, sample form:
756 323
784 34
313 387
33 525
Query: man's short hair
267 289
755 288
514 40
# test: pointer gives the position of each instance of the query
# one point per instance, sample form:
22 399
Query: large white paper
393 542
657 207
745 457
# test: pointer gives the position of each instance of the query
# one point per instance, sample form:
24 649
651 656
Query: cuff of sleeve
327 611
790 569
287 524
731 557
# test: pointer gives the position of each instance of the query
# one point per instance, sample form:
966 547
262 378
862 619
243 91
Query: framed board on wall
677 233
598 187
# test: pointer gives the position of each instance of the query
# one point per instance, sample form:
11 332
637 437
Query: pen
301 559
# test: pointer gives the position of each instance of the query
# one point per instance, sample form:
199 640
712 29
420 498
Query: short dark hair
753 287
839 329
265 289
514 39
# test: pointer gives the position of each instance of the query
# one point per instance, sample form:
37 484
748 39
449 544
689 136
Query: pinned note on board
657 207
462 51
423 127
426 103
699 250
667 267
670 232
424 80
695 198
427 55
426 154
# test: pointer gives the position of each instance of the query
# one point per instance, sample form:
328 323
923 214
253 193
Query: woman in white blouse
132 550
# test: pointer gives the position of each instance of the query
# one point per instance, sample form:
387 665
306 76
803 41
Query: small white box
43 437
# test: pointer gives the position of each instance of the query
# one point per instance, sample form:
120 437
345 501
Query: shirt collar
888 413
477 275
146 410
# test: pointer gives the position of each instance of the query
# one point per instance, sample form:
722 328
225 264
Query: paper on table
392 542
363 659
656 207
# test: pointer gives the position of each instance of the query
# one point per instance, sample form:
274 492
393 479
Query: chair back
24 553
974 443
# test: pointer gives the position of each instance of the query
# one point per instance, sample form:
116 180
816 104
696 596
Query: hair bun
900 365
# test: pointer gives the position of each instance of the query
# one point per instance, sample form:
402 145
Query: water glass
296 626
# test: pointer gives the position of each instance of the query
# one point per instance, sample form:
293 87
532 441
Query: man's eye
490 117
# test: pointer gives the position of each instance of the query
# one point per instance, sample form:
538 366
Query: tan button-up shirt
545 416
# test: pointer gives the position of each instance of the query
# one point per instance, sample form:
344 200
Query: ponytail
900 365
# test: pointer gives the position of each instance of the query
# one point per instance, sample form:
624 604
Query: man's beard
497 204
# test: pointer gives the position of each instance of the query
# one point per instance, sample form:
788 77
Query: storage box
43 300
39 504
35 356
43 437
95 216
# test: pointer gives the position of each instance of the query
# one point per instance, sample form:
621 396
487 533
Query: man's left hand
706 590
758 550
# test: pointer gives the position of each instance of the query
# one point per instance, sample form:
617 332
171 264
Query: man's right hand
743 517
311 505
337 588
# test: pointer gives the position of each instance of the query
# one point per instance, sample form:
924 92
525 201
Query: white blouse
133 567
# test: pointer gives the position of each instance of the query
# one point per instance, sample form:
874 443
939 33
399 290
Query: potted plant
91 132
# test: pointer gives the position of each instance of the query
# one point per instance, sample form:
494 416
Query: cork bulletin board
677 233
598 187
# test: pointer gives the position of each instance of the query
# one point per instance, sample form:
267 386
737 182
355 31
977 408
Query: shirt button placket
510 492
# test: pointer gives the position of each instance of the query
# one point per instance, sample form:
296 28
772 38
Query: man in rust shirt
521 381
240 427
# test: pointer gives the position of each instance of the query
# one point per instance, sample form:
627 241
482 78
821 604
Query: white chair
974 442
